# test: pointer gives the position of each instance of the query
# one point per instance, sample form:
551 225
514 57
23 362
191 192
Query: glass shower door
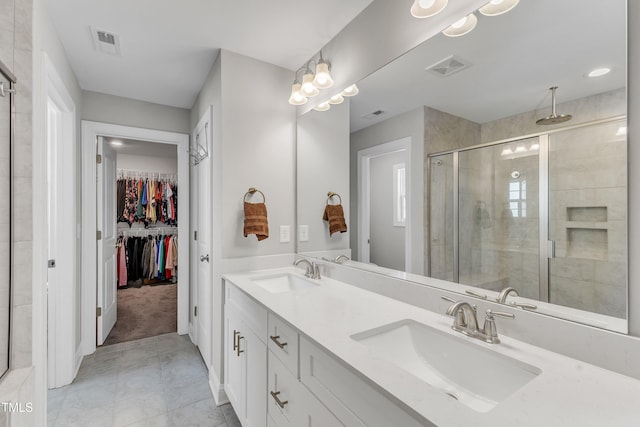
441 217
588 218
498 217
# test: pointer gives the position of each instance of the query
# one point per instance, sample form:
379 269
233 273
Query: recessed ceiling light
598 72
116 143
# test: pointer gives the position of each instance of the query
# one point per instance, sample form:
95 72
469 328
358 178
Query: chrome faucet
341 258
466 321
312 270
502 297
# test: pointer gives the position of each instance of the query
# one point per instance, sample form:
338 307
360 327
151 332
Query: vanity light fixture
599 72
297 98
351 91
323 106
461 26
308 89
311 82
498 7
427 8
323 79
534 147
336 99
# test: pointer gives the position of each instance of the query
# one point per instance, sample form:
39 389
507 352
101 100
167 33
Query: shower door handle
551 249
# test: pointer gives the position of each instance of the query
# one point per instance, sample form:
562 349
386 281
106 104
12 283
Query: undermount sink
286 282
476 376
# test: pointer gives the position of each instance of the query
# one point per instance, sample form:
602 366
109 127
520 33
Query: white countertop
568 392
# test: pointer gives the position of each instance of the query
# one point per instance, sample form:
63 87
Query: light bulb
297 98
308 89
506 152
599 72
336 99
534 147
323 78
351 91
520 149
427 8
323 106
498 7
461 26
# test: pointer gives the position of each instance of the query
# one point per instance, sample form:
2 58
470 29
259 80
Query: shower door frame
547 249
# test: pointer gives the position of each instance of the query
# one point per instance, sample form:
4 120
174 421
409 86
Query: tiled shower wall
589 271
16 53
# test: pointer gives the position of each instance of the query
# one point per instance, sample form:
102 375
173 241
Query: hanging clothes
146 260
148 201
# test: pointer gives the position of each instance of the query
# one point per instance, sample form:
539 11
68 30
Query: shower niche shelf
587 214
587 243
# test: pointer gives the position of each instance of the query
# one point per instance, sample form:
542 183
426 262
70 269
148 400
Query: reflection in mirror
5 223
493 199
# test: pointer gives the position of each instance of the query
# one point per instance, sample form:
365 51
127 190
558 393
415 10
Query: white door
107 227
204 255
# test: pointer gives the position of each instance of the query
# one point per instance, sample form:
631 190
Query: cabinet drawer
283 393
283 342
346 395
254 314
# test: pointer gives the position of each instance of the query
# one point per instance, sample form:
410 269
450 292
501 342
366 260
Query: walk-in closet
147 209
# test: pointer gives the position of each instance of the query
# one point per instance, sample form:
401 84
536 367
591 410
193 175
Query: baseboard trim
217 389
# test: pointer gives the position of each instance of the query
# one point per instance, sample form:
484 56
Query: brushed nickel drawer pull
280 403
235 337
238 351
278 343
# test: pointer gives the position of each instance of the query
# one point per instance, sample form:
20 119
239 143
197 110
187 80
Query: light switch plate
303 233
285 234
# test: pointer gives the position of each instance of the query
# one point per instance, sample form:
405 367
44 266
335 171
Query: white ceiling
515 58
169 46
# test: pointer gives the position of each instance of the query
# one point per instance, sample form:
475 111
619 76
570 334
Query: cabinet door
233 361
255 374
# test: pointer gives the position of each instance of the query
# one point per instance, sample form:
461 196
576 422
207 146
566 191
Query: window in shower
518 198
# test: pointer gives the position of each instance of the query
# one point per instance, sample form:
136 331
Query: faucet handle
476 294
524 305
447 299
489 330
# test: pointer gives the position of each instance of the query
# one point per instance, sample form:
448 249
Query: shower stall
545 214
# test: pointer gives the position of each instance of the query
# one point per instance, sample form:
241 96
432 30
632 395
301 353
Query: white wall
410 124
253 146
148 163
387 240
99 107
323 166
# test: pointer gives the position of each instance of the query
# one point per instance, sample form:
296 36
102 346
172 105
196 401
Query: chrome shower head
554 118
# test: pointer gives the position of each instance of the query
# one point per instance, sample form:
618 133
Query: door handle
235 338
277 341
238 351
280 403
204 258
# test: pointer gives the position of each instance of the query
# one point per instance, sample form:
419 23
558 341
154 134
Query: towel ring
252 191
330 194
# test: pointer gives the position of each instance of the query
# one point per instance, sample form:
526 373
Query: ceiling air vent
106 42
374 115
448 66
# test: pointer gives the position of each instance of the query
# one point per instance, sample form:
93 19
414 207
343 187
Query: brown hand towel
335 215
255 220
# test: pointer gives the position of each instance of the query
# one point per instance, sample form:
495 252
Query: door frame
90 132
364 196
60 356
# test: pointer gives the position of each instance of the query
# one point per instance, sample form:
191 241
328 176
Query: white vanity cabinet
246 357
277 377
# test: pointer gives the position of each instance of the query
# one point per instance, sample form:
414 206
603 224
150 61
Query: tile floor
153 382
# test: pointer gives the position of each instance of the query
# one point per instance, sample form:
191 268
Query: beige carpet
145 312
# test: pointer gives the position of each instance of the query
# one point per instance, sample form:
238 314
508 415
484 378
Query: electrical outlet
303 232
285 234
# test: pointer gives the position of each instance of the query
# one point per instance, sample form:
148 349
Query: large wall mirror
454 176
6 134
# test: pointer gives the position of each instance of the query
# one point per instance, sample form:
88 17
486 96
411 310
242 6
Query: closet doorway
146 240
151 222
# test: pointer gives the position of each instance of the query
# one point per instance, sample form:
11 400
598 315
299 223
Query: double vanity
301 351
